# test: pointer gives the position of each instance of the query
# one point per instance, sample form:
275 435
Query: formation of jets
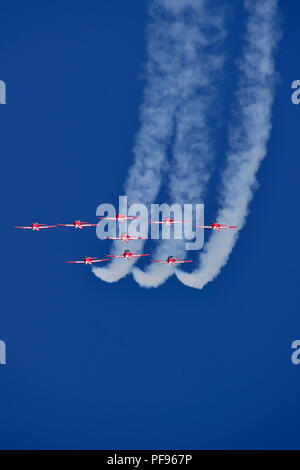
126 238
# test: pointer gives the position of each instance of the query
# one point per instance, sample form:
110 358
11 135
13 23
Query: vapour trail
249 135
192 150
173 74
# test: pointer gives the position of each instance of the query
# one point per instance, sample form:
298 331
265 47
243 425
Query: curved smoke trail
192 150
163 84
174 104
177 35
248 140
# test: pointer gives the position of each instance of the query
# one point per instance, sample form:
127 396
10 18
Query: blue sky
92 365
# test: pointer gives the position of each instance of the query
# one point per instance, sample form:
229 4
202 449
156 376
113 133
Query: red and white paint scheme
169 222
171 260
89 260
119 218
216 226
36 226
127 255
78 224
126 238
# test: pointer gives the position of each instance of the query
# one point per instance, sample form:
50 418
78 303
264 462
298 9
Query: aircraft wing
65 225
137 256
99 260
203 226
77 262
137 238
131 218
155 222
24 227
156 261
113 238
108 218
180 221
88 225
179 261
47 226
115 256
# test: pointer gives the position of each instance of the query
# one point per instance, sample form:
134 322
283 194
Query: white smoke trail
248 139
164 76
174 73
192 149
189 176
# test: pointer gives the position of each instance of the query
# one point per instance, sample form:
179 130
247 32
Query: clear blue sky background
93 365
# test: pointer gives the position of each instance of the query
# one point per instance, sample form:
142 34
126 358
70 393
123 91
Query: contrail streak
192 150
174 73
182 61
248 139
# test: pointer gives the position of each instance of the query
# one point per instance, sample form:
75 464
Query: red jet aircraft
171 260
127 255
36 226
89 260
169 222
126 238
216 226
78 224
119 218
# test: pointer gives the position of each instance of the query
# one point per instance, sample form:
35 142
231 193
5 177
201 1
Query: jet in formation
127 255
126 238
170 260
119 218
216 226
78 224
89 260
168 222
36 226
